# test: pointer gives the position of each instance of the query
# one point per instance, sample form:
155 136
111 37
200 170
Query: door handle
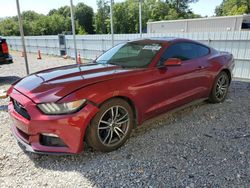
200 67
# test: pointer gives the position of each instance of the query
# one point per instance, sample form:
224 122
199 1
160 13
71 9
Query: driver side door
177 85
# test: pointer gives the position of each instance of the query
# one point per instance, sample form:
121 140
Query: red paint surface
152 90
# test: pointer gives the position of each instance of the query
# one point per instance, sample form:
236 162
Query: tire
220 88
111 126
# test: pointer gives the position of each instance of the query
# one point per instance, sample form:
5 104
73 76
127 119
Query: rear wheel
220 88
111 126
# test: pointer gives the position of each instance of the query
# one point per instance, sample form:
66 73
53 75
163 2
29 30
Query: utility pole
140 17
111 22
22 36
73 27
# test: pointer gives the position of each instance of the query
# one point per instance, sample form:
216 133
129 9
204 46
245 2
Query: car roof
167 40
162 39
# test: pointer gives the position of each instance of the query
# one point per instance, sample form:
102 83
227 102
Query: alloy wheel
221 87
113 125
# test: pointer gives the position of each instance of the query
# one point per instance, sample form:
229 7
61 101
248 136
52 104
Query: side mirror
172 62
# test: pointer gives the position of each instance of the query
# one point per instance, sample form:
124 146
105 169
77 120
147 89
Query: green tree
64 11
126 14
181 7
41 26
120 18
30 15
85 16
233 7
9 27
35 24
102 17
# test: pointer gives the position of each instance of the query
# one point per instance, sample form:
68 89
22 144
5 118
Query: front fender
99 93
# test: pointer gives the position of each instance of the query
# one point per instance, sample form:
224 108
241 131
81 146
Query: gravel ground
203 145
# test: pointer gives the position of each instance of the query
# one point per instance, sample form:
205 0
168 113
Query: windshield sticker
154 47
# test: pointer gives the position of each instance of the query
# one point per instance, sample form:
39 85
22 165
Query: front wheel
111 126
220 88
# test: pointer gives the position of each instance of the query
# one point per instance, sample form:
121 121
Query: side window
184 51
201 50
174 51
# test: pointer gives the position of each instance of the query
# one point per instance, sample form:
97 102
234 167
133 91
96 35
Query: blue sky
205 7
8 7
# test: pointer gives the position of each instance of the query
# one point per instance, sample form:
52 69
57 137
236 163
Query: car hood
53 84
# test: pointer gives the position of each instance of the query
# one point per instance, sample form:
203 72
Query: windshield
130 55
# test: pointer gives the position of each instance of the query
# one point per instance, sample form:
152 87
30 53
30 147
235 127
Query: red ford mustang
56 110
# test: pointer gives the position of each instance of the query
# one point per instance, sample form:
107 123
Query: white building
210 24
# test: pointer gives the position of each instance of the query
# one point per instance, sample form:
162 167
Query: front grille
19 108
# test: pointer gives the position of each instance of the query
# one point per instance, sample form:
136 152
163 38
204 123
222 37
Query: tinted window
185 51
201 50
128 51
131 54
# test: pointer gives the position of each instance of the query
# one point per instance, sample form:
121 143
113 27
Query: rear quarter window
185 51
202 50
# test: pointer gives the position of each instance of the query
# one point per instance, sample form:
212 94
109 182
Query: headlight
61 108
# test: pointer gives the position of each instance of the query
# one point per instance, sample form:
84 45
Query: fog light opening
52 140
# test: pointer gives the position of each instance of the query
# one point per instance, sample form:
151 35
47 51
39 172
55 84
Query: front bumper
70 129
